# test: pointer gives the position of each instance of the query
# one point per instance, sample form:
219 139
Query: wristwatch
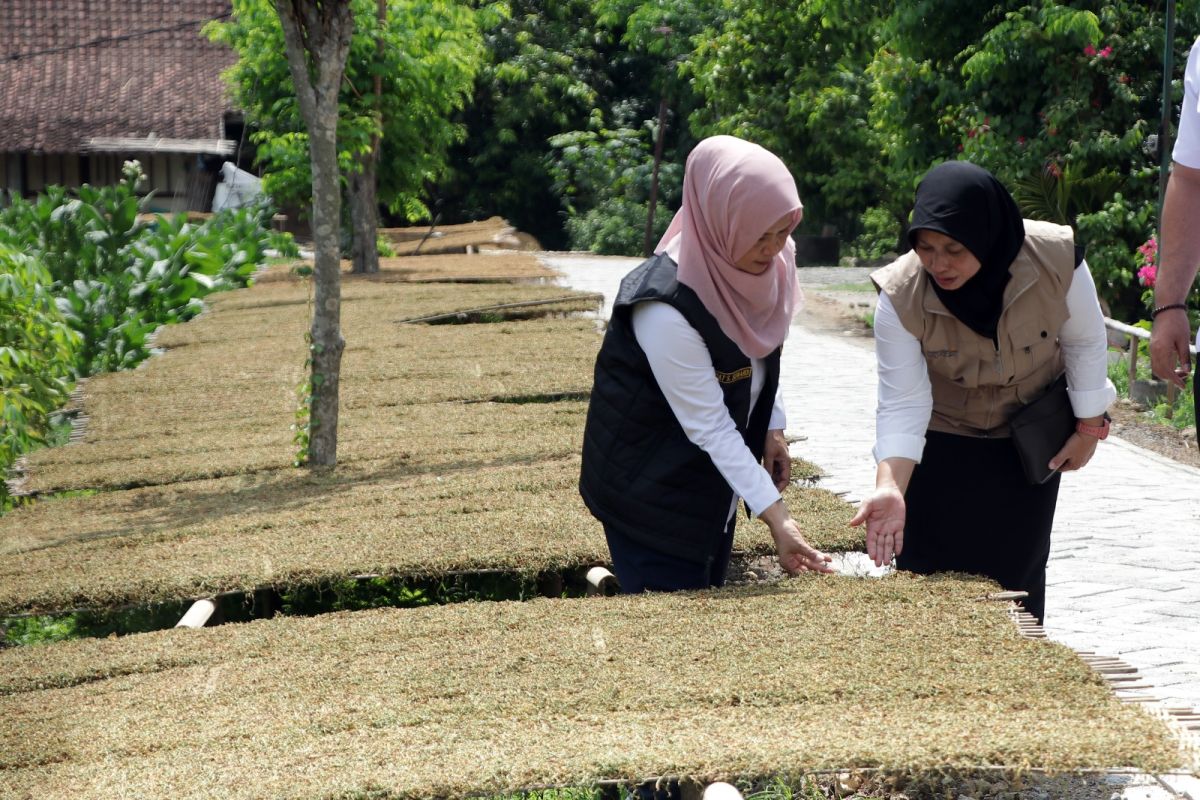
1099 431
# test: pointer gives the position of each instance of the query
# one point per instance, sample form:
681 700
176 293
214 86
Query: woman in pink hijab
685 415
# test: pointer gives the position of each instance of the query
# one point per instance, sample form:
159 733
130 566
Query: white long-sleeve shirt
905 395
684 370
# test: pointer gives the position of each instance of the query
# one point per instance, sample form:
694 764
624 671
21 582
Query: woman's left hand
777 460
1075 454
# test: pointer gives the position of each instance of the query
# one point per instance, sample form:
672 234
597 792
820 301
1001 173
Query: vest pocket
1034 352
947 394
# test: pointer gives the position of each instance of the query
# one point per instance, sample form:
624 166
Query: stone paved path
1124 572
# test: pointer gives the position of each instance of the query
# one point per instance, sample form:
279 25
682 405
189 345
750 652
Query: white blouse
684 370
905 399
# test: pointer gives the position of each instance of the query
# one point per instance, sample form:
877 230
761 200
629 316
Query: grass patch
230 412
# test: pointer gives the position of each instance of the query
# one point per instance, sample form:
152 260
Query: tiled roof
71 70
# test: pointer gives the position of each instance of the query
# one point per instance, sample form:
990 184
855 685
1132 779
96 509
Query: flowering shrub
1148 270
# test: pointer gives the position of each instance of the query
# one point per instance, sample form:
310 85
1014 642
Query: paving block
1182 784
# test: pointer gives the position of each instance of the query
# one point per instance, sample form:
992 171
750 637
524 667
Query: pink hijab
733 191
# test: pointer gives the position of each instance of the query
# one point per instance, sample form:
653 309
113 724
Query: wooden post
1133 355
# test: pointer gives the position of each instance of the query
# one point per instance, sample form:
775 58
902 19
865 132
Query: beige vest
978 384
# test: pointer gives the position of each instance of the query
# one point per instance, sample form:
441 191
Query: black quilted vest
641 475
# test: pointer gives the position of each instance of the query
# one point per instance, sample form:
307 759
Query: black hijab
967 203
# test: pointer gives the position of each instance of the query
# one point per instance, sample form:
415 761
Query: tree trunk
317 34
364 203
364 214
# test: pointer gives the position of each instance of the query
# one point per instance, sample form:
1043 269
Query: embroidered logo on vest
941 353
733 377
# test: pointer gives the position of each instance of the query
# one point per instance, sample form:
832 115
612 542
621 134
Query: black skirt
970 509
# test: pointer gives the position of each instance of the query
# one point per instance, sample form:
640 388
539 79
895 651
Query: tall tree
317 37
792 77
411 65
545 74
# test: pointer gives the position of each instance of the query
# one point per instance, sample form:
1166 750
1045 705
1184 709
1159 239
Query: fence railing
1135 335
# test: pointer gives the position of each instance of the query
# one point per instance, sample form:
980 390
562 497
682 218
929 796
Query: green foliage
1182 413
390 592
603 179
84 282
39 630
545 70
880 234
117 277
107 622
425 54
37 352
383 246
283 244
792 77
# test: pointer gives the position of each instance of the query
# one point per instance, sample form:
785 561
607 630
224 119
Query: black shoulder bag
1040 429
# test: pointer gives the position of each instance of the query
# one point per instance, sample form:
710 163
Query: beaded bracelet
1167 307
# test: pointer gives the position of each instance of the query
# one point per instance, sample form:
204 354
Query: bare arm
1178 263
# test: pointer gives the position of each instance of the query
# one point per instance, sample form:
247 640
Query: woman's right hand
796 555
883 512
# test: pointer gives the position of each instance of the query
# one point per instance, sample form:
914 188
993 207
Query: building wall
179 181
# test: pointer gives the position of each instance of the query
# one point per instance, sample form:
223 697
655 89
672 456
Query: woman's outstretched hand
883 512
796 555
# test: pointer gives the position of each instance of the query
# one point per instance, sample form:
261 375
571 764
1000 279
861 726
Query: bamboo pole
601 582
198 615
721 791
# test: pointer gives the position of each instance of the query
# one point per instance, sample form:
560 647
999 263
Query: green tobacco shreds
907 674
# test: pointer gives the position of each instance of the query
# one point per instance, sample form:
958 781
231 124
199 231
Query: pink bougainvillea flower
1105 53
1149 250
1089 51
1147 275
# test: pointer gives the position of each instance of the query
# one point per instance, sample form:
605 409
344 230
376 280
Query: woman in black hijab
977 321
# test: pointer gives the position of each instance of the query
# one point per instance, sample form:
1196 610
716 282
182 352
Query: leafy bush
603 179
86 278
118 275
37 351
880 234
